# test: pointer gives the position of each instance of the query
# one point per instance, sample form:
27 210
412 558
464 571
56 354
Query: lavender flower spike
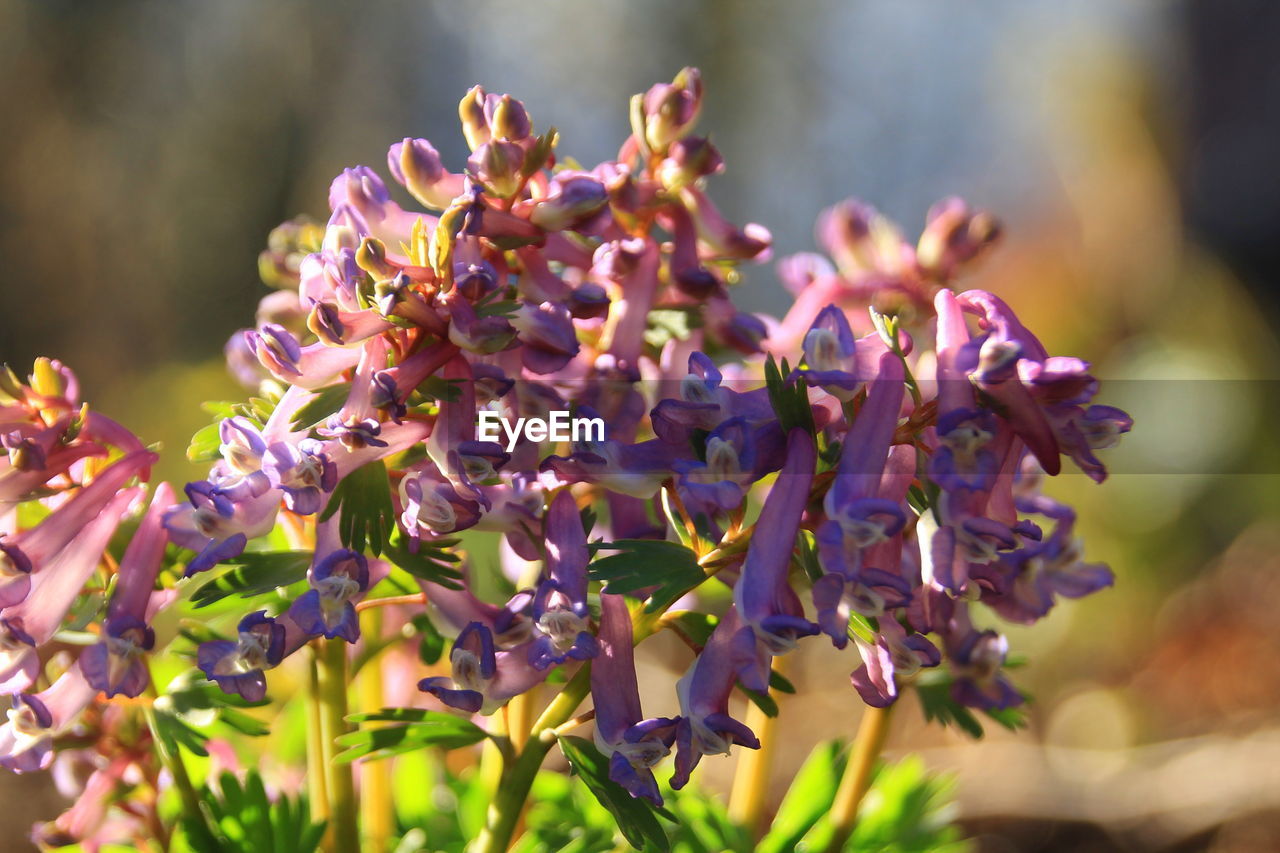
117 665
634 744
765 600
560 604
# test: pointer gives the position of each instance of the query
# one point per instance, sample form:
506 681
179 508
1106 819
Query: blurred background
1129 148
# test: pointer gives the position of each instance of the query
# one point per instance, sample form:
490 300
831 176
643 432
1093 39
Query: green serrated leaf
368 517
326 402
431 562
669 566
635 816
255 573
433 729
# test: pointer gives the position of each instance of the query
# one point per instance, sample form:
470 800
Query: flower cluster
897 429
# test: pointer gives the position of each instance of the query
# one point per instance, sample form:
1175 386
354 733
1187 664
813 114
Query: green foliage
410 729
192 710
431 562
254 573
205 444
368 518
934 690
326 402
906 810
790 399
636 817
641 563
243 817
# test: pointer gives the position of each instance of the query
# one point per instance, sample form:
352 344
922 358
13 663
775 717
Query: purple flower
26 553
830 354
433 507
313 366
858 517
1027 580
328 608
634 744
32 622
719 483
637 470
561 627
705 401
895 654
976 661
503 630
671 109
117 665
547 335
474 664
764 599
237 666
217 523
26 739
303 472
705 727
416 164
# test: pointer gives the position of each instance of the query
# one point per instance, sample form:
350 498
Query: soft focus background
1130 148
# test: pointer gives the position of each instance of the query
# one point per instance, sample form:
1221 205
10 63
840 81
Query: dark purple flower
562 629
328 608
303 472
768 606
705 727
238 666
634 744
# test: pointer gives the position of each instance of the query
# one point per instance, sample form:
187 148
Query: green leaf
635 816
693 627
326 402
368 518
431 643
934 691
763 701
205 445
810 796
790 399
255 573
432 561
429 728
669 566
245 817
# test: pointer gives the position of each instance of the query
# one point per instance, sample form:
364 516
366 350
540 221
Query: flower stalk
343 835
873 731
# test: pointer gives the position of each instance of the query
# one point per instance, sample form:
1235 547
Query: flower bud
954 235
497 164
475 125
507 118
372 258
687 161
416 165
588 300
573 199
671 109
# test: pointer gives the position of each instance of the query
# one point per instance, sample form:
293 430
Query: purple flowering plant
865 471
